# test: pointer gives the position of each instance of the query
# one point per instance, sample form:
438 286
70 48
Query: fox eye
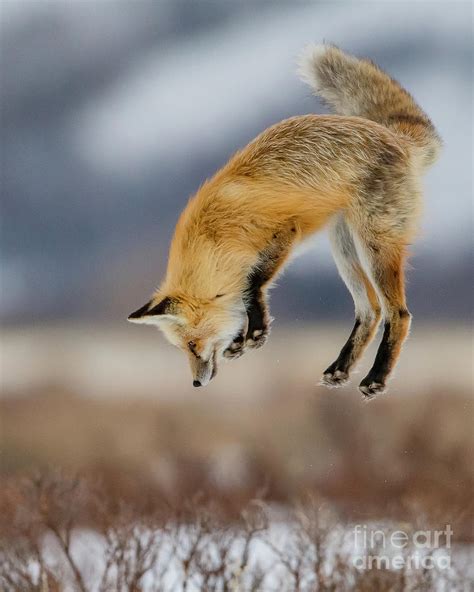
219 295
192 347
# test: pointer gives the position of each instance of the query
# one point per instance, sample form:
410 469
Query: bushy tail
358 87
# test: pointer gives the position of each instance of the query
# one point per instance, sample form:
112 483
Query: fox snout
203 371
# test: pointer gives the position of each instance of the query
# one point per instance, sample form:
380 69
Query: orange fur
237 232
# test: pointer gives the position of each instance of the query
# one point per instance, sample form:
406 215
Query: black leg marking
259 320
338 372
344 359
374 383
269 261
394 333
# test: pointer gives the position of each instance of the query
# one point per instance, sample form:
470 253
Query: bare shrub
46 503
58 521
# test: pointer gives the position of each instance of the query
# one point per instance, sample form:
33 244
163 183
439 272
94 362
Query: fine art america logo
399 549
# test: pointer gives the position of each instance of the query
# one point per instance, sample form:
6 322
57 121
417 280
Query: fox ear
150 313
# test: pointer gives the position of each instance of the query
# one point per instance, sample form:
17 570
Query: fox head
203 329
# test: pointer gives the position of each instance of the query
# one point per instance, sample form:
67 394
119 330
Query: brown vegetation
170 484
65 533
368 458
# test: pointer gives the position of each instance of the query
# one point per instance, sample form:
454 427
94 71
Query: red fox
358 172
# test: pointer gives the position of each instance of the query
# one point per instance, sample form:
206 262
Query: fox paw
236 348
370 389
257 337
334 379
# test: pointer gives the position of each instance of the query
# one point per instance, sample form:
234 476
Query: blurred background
112 114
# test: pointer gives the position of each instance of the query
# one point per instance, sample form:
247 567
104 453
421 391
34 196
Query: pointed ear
138 314
150 313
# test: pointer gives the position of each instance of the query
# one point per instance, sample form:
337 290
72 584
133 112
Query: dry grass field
112 415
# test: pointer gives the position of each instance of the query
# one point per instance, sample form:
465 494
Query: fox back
357 171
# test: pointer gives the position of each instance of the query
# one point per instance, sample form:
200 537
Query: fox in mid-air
358 172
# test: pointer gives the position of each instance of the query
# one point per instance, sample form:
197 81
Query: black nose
197 383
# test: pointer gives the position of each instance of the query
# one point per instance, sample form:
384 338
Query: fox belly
356 171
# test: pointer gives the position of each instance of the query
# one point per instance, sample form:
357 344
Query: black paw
257 336
334 379
371 388
236 348
336 375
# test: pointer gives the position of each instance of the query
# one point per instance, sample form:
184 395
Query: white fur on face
204 368
213 342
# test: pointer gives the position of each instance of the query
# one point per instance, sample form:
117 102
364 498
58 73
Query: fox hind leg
367 308
384 263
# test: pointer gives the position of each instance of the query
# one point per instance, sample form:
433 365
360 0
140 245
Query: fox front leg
259 319
257 328
237 347
269 262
